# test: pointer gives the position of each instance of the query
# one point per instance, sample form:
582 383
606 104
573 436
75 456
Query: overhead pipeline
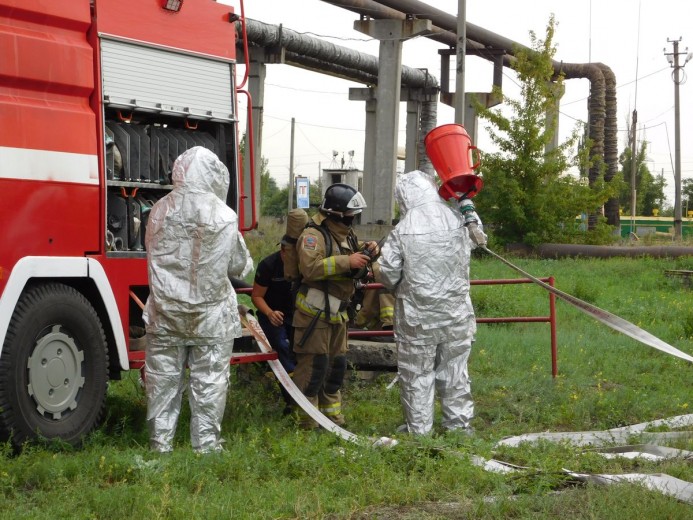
557 251
317 54
602 100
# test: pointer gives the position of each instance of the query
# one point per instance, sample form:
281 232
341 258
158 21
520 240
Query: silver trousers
207 387
425 370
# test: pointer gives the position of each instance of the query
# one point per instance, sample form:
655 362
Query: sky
629 36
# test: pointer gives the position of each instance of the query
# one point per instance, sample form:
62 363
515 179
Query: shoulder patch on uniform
310 242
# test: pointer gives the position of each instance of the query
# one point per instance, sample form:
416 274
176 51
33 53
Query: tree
268 188
649 192
277 203
687 196
528 195
316 193
274 202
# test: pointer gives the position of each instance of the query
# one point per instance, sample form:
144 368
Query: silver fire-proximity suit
191 316
425 262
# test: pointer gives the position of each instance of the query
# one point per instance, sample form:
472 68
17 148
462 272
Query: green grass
271 469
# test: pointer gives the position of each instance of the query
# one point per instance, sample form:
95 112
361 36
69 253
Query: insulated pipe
372 9
602 103
596 106
328 54
589 251
309 63
610 140
428 121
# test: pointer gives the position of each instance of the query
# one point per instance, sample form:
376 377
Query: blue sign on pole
302 192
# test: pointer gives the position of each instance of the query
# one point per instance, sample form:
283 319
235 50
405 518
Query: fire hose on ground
249 321
605 317
285 380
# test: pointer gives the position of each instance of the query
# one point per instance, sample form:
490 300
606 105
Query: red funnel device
450 150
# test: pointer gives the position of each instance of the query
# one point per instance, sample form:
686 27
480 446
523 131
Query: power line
306 90
266 116
310 142
276 133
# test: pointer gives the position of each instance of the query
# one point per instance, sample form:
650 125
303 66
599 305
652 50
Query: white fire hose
608 319
285 380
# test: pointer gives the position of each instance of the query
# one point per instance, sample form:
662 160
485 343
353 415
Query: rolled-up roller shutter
141 77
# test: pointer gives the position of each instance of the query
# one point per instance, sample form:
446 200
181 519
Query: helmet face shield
355 205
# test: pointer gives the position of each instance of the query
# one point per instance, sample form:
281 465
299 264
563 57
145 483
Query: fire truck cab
97 99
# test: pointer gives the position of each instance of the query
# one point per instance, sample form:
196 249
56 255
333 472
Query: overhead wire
633 138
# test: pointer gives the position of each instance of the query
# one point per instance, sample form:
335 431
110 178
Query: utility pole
633 170
291 166
673 59
461 53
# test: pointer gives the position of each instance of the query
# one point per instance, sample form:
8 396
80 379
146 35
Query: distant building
343 172
643 226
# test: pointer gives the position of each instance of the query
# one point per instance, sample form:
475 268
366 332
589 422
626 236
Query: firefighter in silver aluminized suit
425 262
193 246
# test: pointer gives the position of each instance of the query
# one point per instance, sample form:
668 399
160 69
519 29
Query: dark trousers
278 338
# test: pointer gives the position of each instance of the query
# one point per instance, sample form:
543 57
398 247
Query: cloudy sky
629 36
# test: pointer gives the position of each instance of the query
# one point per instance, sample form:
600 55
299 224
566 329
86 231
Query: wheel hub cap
55 374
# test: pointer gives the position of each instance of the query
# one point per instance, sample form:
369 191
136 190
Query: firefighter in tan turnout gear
320 318
377 308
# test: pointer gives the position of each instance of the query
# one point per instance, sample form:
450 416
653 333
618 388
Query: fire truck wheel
53 368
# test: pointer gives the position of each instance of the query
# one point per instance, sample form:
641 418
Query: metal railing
550 319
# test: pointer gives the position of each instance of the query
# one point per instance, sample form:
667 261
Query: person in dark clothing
272 298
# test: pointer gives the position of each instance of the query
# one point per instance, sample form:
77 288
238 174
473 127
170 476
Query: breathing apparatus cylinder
295 224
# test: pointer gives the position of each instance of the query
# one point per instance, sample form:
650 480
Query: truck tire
53 368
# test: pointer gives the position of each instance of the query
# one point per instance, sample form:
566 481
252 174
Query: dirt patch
421 511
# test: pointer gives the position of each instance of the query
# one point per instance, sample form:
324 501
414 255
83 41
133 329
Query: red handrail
251 151
550 319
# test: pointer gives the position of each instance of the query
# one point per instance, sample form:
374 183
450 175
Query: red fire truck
97 99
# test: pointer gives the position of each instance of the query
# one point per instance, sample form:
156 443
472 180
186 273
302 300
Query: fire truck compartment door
136 76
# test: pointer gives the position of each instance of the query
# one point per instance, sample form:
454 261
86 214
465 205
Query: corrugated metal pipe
318 54
427 122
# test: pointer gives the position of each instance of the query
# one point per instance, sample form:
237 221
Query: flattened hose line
608 319
249 321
